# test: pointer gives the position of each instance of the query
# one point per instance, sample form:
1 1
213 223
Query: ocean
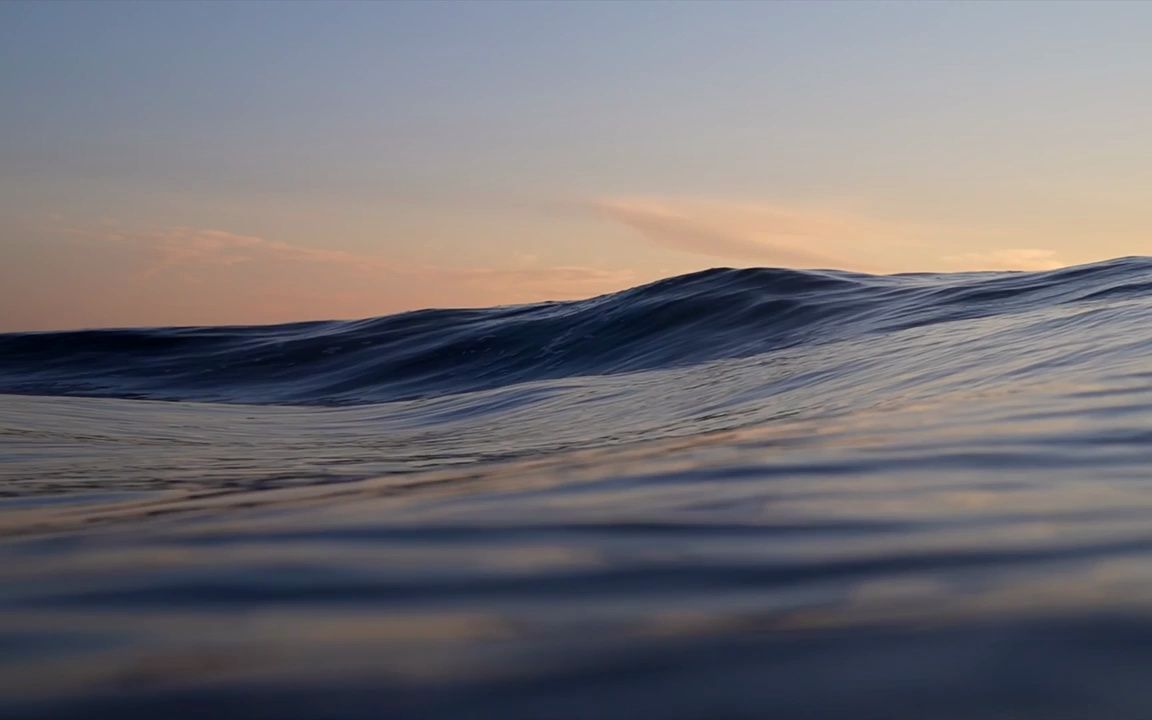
754 493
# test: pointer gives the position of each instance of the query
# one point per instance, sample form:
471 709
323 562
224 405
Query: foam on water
738 493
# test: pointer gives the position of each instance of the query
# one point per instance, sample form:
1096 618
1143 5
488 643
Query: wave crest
703 316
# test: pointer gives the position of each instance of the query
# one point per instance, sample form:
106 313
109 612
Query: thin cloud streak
680 229
809 238
763 234
194 276
1007 259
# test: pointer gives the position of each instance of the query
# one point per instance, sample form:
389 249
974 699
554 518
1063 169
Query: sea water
734 494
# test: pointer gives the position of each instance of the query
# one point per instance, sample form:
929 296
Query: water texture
732 494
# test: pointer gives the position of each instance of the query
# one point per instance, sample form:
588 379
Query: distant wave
703 316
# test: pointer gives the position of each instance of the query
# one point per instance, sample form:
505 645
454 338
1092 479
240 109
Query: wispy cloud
1007 259
760 233
189 248
185 275
557 282
770 234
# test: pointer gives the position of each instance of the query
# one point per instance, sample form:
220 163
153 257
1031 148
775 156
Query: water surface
733 494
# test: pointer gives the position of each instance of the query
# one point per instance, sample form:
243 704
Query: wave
690 319
731 494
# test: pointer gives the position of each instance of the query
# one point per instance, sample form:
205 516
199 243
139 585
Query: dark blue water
733 494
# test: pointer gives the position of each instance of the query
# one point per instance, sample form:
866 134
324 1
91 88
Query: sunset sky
196 163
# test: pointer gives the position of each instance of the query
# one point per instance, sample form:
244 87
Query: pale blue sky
528 136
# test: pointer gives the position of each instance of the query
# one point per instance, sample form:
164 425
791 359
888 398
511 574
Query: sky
226 163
